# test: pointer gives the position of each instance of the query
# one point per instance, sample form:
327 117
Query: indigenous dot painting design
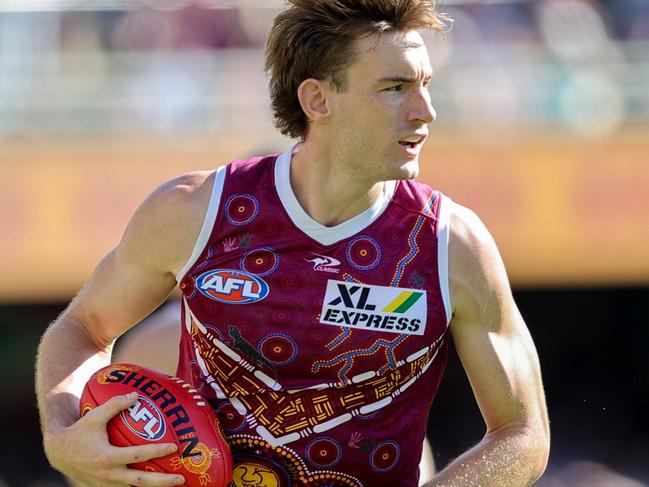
344 334
281 430
363 253
257 463
283 417
269 228
261 262
384 456
231 420
344 361
412 242
288 283
281 316
323 452
278 348
241 209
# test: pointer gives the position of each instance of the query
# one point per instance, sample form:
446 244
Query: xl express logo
232 286
381 308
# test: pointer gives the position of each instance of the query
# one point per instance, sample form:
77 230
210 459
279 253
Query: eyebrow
402 79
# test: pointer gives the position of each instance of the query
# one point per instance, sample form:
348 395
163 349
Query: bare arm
128 283
501 363
161 333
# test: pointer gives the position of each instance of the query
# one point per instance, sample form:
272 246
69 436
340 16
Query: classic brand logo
145 419
381 308
232 286
324 263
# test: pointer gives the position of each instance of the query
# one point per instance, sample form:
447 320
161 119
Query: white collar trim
318 232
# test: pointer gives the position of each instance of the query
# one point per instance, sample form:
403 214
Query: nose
422 109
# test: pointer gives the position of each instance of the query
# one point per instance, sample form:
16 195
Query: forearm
79 447
66 359
512 457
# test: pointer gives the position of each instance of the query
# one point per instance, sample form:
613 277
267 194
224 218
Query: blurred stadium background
543 129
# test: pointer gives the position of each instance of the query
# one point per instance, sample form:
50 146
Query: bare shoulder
163 230
182 195
471 246
476 270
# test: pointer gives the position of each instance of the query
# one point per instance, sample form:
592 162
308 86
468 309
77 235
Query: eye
398 87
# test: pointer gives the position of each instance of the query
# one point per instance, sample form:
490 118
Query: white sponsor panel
377 308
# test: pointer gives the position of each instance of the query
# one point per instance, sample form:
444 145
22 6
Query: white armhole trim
443 231
208 223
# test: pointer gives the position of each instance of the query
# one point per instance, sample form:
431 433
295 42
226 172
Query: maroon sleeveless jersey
320 348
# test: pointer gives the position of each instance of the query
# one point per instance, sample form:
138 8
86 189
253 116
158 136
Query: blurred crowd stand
197 66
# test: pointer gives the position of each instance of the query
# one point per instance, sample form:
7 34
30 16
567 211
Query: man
319 287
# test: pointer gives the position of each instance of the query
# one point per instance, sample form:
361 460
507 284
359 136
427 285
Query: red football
168 410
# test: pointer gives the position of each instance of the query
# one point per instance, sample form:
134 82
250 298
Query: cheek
382 117
370 125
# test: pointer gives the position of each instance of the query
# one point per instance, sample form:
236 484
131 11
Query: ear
313 99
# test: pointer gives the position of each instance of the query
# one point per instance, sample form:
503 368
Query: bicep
136 276
119 294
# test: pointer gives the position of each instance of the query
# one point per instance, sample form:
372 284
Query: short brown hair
314 38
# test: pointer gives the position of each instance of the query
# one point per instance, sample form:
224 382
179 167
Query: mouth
412 143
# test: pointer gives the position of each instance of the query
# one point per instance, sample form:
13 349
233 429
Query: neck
327 189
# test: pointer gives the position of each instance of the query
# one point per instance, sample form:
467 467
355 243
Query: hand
83 452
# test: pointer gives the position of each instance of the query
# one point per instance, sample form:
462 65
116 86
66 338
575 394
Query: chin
409 170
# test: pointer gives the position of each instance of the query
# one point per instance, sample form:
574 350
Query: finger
140 478
105 412
134 454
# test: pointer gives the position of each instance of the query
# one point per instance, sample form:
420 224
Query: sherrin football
167 410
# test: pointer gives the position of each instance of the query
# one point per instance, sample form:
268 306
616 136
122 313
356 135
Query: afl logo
232 286
145 419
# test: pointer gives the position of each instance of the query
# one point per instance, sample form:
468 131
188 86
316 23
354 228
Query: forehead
391 54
